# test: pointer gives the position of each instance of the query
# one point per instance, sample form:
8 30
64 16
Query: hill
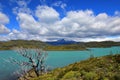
99 68
67 45
7 45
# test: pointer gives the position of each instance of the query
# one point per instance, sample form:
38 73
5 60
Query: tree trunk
36 72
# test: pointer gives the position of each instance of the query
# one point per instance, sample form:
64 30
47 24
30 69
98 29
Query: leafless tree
35 60
91 54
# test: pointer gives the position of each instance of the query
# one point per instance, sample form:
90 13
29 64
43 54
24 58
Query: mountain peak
61 42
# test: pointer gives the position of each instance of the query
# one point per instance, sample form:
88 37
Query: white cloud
63 5
4 38
117 13
21 3
3 20
3 29
30 25
82 25
89 25
15 34
26 10
27 22
22 6
59 4
77 24
47 14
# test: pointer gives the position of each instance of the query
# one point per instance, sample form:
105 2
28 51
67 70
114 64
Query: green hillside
102 44
21 43
101 68
7 45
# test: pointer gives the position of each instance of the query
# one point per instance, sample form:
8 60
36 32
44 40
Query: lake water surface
55 59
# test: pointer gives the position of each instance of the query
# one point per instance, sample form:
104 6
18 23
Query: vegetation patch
99 68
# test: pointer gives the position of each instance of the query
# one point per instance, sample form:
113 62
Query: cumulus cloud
77 25
22 6
86 24
3 20
46 14
17 10
117 13
30 25
3 29
15 34
45 24
21 3
60 4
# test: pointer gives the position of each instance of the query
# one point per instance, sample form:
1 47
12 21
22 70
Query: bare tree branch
35 60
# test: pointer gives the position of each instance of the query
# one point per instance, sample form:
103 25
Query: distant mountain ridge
61 42
56 45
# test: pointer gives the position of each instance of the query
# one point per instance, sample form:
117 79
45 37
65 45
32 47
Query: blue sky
50 20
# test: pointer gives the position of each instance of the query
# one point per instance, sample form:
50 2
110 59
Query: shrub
90 76
71 74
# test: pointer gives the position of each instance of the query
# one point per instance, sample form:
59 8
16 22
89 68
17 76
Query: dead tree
91 54
35 60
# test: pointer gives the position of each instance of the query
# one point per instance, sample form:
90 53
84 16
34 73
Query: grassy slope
103 68
21 43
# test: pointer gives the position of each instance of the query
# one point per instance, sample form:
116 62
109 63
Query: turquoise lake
55 59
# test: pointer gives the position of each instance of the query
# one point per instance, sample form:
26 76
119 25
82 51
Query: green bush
71 74
90 76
